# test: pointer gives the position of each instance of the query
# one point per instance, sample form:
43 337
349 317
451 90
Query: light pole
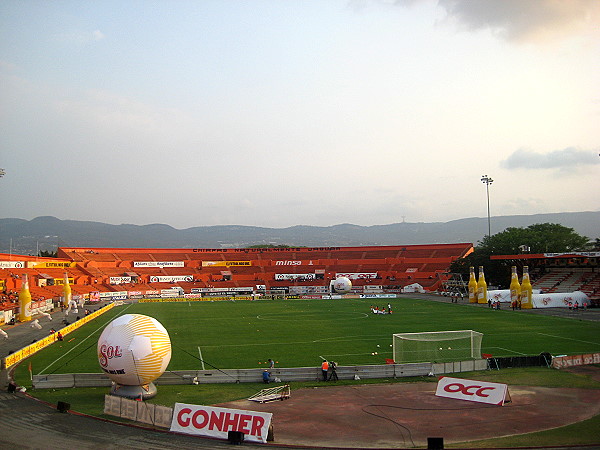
487 181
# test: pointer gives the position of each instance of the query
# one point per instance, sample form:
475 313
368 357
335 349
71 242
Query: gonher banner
471 390
217 422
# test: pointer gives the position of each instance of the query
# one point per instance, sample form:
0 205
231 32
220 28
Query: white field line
569 339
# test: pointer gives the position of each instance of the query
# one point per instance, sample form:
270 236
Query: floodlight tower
487 181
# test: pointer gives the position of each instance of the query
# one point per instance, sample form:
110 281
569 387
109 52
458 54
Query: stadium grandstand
137 272
561 272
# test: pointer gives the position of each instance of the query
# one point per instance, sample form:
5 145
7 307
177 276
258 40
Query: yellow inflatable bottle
482 296
67 295
515 289
472 286
526 290
24 301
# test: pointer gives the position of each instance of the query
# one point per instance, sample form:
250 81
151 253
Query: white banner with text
217 422
472 391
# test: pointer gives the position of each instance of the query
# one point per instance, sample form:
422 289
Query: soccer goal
437 346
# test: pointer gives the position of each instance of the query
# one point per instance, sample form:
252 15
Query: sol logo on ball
108 352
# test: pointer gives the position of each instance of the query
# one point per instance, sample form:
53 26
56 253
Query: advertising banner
503 295
576 299
119 280
226 263
114 295
158 264
560 362
171 279
582 254
217 422
357 275
12 264
228 289
472 391
50 265
294 276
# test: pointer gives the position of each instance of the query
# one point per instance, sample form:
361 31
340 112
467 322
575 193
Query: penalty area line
570 339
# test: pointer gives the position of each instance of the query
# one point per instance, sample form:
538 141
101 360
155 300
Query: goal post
436 346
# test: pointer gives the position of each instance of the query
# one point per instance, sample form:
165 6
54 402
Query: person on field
333 374
324 369
266 376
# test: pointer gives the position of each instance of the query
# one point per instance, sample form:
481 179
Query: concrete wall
57 381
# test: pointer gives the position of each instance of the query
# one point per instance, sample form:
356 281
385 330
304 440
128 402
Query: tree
539 238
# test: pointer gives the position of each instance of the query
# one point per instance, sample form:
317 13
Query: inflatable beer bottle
515 289
526 290
67 295
24 301
472 286
481 287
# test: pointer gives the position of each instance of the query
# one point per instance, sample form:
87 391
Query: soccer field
298 333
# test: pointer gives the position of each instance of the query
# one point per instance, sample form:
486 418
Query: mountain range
20 236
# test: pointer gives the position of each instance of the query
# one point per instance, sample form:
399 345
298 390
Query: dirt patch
405 415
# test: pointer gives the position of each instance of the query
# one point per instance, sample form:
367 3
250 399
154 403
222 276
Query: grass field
297 333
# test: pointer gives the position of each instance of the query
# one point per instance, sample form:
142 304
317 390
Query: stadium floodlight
436 346
487 181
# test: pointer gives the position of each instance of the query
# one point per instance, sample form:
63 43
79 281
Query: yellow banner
226 263
50 264
61 281
20 355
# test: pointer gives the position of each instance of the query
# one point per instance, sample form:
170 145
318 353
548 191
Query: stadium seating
91 269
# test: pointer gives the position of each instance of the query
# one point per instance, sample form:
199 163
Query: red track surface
403 415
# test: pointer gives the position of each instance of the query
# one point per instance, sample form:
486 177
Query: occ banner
216 422
471 390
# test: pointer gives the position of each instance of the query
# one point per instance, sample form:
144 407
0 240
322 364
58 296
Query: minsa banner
471 390
217 422
158 264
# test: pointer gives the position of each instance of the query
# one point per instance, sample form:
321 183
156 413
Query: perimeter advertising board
217 422
472 391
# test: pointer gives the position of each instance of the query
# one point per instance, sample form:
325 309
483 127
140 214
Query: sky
302 112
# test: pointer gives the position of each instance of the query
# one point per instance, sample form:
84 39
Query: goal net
437 346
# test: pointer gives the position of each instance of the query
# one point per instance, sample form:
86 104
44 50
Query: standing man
333 374
324 369
271 364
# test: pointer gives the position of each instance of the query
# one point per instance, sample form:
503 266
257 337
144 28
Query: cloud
98 35
525 20
566 159
81 37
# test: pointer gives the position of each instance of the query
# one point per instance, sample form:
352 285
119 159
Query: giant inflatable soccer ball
134 350
342 285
